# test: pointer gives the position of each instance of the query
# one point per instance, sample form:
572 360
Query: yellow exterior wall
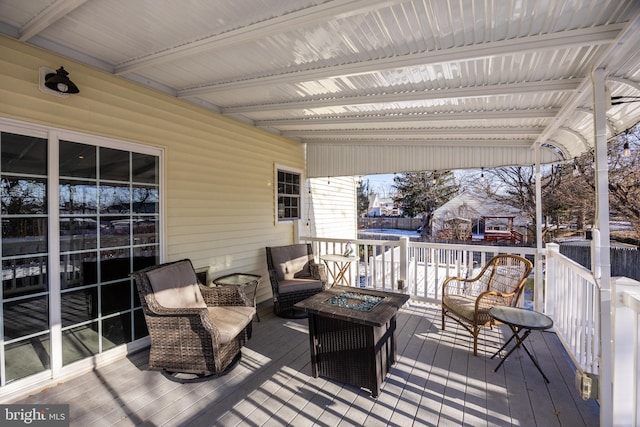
219 172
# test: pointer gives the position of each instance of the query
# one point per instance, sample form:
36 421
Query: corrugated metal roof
370 86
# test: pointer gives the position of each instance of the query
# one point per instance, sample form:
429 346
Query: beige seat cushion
464 306
176 286
231 320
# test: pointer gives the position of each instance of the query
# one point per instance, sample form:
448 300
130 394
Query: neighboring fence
625 261
396 223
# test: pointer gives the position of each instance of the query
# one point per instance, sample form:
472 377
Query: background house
466 216
382 207
374 205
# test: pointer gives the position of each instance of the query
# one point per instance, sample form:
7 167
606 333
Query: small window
288 195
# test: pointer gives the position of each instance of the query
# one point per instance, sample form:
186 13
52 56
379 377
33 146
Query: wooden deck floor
436 381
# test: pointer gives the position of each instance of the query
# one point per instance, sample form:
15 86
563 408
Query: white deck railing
571 297
573 302
417 268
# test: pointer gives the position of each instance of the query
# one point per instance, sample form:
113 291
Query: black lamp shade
59 82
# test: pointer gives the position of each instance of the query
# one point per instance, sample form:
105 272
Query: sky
381 183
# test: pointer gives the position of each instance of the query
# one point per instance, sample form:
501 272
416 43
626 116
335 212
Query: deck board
436 381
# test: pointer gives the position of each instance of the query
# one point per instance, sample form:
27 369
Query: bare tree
517 187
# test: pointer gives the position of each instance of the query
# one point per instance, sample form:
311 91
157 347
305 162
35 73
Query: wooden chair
194 329
467 301
294 276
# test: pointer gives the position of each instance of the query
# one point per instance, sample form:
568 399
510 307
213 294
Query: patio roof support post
601 259
404 263
551 273
625 352
537 275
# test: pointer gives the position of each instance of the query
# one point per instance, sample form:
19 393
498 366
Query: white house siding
219 173
333 208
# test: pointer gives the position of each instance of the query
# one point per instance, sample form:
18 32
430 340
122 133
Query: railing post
625 399
404 263
551 276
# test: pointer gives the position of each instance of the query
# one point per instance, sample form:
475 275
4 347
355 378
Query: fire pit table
352 334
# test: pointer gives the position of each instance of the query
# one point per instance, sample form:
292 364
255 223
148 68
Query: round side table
519 319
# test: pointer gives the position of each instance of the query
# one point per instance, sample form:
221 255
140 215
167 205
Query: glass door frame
54 135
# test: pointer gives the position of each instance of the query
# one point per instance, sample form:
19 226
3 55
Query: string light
626 151
309 203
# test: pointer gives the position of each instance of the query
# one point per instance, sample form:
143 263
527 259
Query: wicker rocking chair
467 301
294 276
194 329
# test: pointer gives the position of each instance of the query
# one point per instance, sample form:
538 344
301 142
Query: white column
552 277
627 303
602 257
404 262
537 276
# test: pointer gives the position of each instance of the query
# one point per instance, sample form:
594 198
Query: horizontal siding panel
219 172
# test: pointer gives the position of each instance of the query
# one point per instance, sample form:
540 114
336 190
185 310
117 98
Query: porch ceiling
370 86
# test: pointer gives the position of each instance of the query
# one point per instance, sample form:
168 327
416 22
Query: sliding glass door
26 335
67 291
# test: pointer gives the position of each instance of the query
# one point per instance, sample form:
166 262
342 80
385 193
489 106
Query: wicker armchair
194 329
294 276
467 301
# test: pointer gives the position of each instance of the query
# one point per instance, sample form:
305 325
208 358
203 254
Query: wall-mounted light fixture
57 82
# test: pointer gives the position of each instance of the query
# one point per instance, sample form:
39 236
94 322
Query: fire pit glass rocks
355 301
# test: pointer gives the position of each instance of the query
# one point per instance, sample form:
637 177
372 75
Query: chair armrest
191 322
318 271
457 286
493 298
224 295
164 311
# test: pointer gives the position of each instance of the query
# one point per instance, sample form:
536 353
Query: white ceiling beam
616 53
409 119
280 24
481 143
418 132
49 15
464 92
627 82
564 39
577 135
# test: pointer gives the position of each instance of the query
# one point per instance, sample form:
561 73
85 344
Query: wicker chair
467 301
194 329
294 276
